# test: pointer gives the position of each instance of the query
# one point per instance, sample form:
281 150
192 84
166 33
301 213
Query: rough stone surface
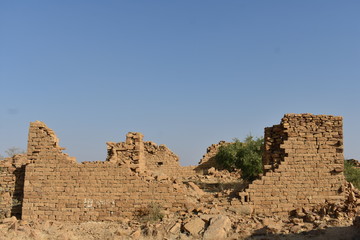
208 160
303 165
58 188
196 189
12 185
303 169
195 226
218 228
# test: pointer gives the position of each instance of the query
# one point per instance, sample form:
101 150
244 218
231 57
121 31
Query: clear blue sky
184 73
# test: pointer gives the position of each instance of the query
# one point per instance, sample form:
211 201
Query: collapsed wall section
142 156
160 158
304 165
129 153
58 188
208 160
43 145
273 153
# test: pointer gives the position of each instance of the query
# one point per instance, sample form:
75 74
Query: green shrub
352 174
246 156
227 155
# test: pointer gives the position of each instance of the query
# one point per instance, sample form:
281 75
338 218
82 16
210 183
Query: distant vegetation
246 156
10 152
352 174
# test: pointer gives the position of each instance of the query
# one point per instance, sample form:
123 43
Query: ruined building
303 166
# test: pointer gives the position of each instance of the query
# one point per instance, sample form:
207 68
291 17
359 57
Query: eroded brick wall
159 157
12 172
7 185
58 188
129 153
304 164
142 156
208 159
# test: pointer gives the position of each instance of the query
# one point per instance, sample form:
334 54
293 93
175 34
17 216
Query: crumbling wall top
43 144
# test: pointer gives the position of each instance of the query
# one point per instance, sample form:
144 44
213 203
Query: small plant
151 213
352 174
246 156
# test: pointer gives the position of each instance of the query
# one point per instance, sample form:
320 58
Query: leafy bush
352 174
246 156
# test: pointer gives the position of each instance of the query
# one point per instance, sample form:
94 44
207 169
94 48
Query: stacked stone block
142 156
208 160
129 153
7 183
43 145
273 153
58 188
304 165
12 172
160 159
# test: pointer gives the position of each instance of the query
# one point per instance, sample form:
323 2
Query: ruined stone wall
273 152
304 165
129 153
162 160
208 159
7 185
152 157
58 188
12 172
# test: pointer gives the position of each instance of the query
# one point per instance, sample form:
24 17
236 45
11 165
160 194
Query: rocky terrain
206 218
141 191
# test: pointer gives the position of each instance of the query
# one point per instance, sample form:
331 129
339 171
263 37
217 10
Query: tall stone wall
304 165
58 188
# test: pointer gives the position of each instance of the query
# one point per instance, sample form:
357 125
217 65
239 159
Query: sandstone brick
307 160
